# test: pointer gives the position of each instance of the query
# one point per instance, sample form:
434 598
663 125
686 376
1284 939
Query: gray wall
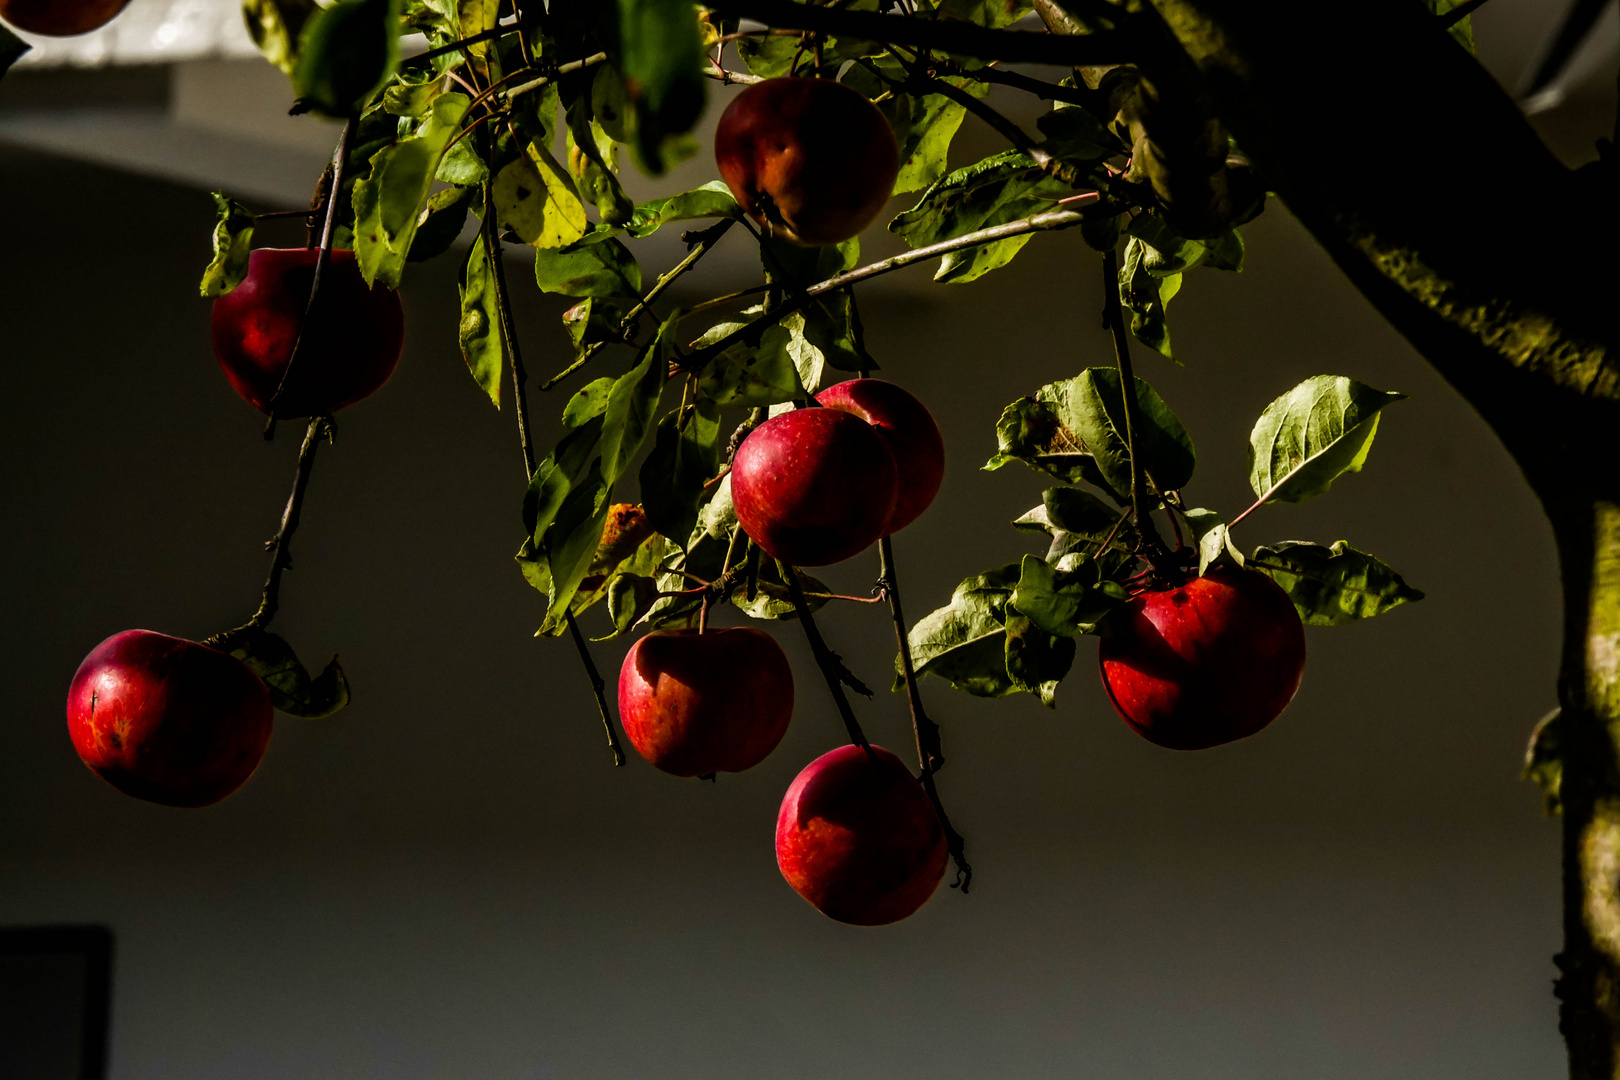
449 880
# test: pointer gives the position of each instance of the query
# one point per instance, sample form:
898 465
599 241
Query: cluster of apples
1212 659
856 835
175 721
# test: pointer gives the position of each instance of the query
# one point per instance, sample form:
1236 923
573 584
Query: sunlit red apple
1212 661
60 18
168 720
809 159
694 704
858 838
908 427
357 336
814 486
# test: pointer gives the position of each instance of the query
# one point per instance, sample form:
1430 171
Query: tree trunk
1430 191
1588 533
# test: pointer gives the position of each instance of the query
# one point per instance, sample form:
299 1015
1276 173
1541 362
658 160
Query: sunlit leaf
233 241
1312 435
1334 585
388 203
275 27
606 269
480 332
999 189
537 201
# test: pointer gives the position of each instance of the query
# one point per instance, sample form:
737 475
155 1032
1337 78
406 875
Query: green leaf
440 223
1145 295
923 126
275 27
628 547
1093 406
712 200
1075 429
1312 435
763 374
346 54
964 642
772 598
632 404
534 197
1077 521
588 402
591 321
1032 430
592 158
661 60
1067 602
1215 548
993 14
1035 660
1073 134
1462 30
461 165
292 690
570 543
556 476
388 202
1544 762
1165 252
1334 585
999 189
480 331
606 269
684 457
412 99
233 240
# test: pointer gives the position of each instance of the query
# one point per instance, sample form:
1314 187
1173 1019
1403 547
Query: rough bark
1426 185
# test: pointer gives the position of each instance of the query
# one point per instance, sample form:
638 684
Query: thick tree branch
946 35
1404 197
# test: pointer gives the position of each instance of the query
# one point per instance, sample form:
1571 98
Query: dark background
449 879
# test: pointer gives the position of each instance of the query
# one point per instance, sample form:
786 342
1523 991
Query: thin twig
831 668
503 306
461 43
946 35
1050 220
1114 316
930 754
562 69
322 260
280 545
703 242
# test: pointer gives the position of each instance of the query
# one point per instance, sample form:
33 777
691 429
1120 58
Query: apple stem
339 160
1152 545
831 667
930 752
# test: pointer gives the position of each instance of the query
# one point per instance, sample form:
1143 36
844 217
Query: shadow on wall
450 880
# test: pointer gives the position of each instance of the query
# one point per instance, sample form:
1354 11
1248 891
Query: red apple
168 720
60 18
907 426
1212 661
859 839
811 160
814 486
694 704
359 333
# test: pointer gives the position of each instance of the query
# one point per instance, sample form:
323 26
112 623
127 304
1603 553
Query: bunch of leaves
1011 629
